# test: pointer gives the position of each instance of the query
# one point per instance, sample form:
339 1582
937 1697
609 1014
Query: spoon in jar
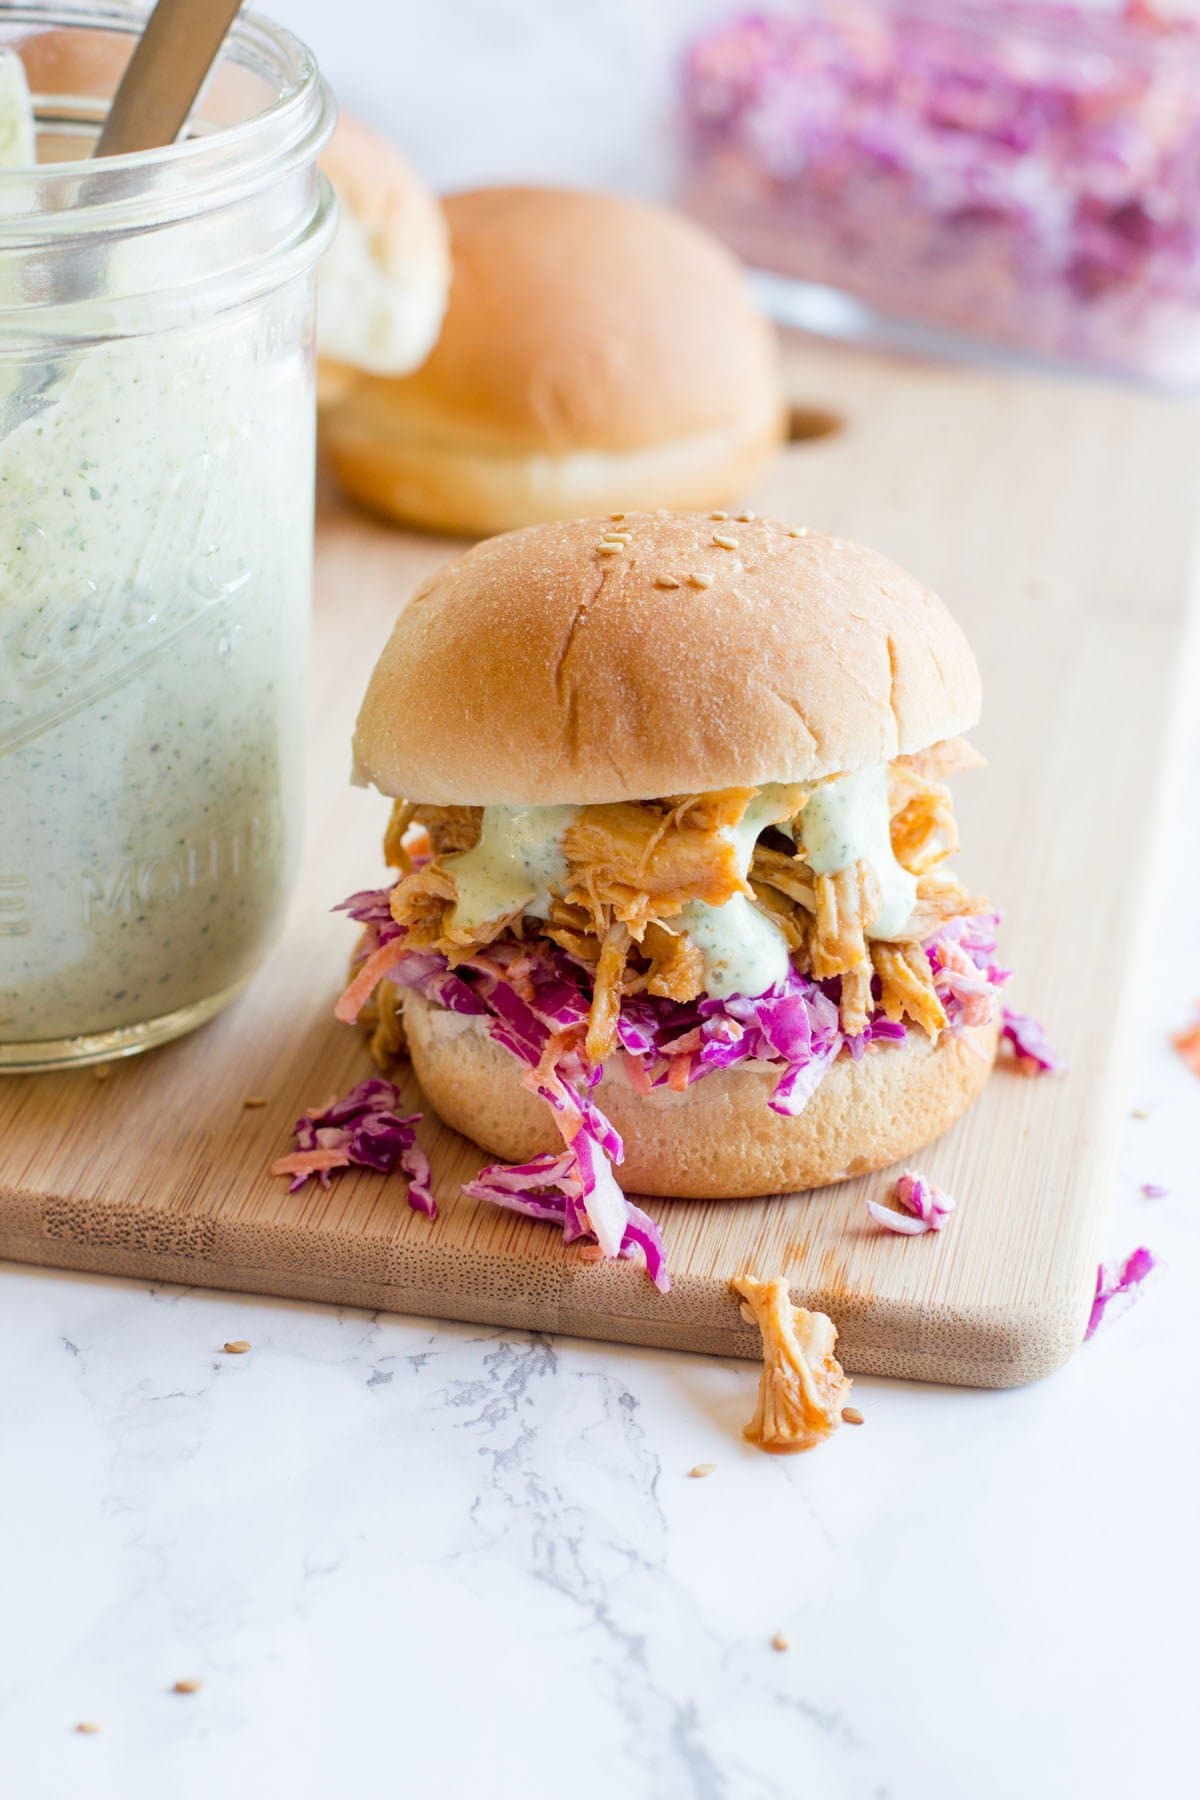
164 76
153 102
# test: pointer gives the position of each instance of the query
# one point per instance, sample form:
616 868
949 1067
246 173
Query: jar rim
79 195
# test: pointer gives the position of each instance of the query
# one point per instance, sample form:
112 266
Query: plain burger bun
597 353
384 281
719 1139
658 654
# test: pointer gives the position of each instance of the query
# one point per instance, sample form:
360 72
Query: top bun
701 653
385 278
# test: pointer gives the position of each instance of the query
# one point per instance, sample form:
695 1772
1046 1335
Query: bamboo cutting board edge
998 1299
577 1299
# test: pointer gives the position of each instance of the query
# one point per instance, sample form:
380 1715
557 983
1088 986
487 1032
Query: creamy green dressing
519 860
155 539
513 867
849 820
155 568
156 490
743 952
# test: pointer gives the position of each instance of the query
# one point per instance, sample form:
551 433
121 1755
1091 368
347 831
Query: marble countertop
445 1561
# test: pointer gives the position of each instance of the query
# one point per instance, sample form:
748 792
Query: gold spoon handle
168 68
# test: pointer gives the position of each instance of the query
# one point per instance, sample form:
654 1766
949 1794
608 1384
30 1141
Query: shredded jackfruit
802 1388
631 868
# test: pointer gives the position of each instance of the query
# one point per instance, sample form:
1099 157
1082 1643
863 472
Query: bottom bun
471 490
719 1140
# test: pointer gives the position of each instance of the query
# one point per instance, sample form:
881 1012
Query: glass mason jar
156 514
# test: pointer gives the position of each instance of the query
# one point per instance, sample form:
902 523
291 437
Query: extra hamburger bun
597 352
719 1139
541 668
385 278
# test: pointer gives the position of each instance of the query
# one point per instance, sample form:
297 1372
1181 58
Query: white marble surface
446 1561
438 1561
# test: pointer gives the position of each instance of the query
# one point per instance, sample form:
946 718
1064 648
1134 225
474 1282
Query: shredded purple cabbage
536 999
362 1128
920 1206
558 1189
1025 172
1111 1282
1028 1040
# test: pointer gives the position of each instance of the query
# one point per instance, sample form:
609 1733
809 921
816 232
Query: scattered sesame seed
718 515
607 549
616 517
851 1415
87 1727
101 1072
253 1101
724 540
781 1641
698 1472
798 531
617 537
699 580
665 581
1139 1112
188 1685
236 1347
745 518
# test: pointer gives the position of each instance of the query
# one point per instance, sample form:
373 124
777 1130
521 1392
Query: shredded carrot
310 1162
677 1073
557 1045
639 1080
1188 1045
363 985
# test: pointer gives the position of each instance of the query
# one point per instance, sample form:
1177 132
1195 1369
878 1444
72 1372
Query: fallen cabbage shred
1028 1040
362 1129
920 1206
1112 1282
558 1189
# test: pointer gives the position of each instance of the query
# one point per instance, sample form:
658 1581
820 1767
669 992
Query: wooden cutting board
1060 520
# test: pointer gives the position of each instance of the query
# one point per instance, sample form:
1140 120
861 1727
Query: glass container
1025 174
156 520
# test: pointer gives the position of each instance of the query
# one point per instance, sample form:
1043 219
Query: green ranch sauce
518 860
155 549
848 821
512 868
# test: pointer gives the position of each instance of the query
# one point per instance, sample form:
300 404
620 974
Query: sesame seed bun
566 664
386 276
597 352
719 1139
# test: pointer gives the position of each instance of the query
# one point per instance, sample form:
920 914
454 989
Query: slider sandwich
671 907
